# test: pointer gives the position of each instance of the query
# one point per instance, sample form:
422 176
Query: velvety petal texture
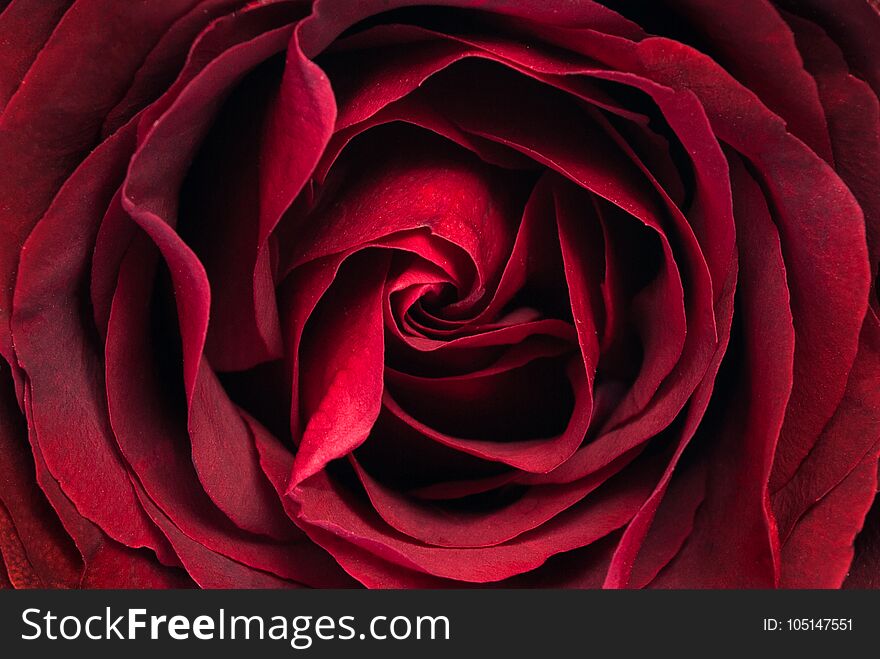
469 293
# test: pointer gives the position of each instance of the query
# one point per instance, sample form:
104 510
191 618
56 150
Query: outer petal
43 547
734 542
48 324
47 142
821 230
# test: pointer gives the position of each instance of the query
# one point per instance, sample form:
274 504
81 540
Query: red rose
509 292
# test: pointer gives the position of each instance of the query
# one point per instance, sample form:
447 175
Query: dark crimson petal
166 59
330 18
114 235
162 155
66 393
165 150
496 403
222 35
299 297
530 455
620 247
463 353
331 509
637 560
618 186
582 249
47 143
207 568
277 463
287 142
436 525
657 312
299 125
822 232
733 543
432 184
844 444
864 571
393 63
394 60
401 457
152 436
656 152
49 551
535 259
755 132
387 75
415 110
26 26
392 77
714 225
645 546
551 131
412 280
854 123
671 527
224 456
341 364
560 145
438 259
462 488
710 216
117 566
753 43
372 571
483 387
18 569
105 559
835 520
580 568
218 202
213 43
854 25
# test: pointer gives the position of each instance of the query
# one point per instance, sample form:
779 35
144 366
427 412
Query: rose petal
330 508
207 568
27 25
476 207
166 59
822 234
341 361
445 527
864 571
845 442
852 24
18 569
763 57
105 559
46 548
530 455
734 543
151 434
819 552
47 143
853 122
68 409
330 18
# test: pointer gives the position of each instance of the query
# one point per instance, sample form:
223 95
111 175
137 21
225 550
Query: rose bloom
469 293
